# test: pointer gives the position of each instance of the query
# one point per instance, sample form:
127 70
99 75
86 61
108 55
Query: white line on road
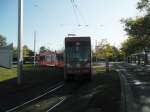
10 110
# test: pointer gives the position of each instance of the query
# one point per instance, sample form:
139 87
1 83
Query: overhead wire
75 12
79 12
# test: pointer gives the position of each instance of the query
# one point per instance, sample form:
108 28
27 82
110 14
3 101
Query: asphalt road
138 84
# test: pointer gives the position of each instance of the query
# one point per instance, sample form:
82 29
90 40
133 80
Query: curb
126 95
127 99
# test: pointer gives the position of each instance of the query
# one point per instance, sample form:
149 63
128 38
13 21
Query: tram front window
78 53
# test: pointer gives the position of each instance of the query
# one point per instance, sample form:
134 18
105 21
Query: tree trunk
145 59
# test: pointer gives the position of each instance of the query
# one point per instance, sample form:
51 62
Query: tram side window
48 58
52 57
60 58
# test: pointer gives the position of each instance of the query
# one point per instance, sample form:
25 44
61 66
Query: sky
53 20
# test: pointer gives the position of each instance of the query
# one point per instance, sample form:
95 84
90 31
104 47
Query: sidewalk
138 81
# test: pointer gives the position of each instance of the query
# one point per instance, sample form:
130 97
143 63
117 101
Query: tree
116 53
43 49
105 50
139 28
143 5
15 52
31 53
131 46
2 41
25 51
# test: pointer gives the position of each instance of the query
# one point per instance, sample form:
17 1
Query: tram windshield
75 52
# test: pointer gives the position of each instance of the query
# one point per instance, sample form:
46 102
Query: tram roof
50 53
70 39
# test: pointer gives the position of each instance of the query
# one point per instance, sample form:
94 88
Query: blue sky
54 19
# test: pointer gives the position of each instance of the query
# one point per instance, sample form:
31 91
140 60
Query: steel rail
60 84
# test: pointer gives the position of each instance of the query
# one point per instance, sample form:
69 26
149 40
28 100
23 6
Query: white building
6 55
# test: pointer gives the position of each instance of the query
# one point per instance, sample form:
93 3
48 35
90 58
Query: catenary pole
34 48
20 37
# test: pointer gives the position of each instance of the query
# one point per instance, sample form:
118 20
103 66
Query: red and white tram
50 58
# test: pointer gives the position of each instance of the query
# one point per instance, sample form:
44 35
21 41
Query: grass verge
6 74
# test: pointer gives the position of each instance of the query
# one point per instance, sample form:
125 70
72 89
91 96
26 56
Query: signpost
20 37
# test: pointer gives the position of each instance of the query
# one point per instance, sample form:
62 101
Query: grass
35 81
98 69
30 73
6 74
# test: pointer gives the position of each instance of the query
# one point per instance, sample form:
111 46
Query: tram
77 57
49 58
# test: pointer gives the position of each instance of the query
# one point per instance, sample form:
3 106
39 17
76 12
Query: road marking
54 89
56 105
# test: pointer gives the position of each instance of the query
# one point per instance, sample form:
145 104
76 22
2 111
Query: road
137 85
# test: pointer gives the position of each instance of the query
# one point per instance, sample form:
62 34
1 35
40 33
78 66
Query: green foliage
130 46
26 52
139 27
43 49
105 50
143 5
98 69
14 52
2 41
139 30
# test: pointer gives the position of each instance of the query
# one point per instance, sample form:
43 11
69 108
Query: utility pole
96 49
20 37
34 48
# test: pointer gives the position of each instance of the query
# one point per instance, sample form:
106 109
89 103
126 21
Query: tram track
57 104
49 91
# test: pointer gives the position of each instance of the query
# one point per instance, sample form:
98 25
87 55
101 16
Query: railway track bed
101 94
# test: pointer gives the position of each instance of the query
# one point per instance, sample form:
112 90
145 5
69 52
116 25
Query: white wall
6 56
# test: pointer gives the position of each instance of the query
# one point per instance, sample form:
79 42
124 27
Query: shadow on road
35 81
101 94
